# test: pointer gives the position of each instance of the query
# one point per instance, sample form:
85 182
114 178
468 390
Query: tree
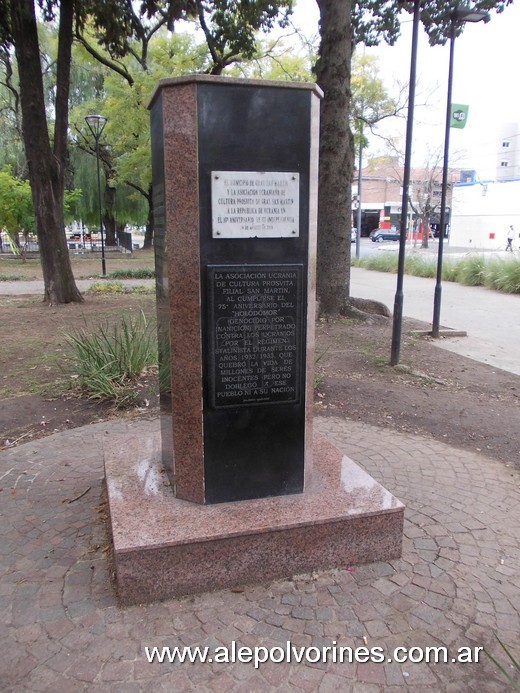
122 96
46 161
46 157
335 156
425 185
424 195
344 24
275 60
230 27
16 213
230 33
11 152
370 101
369 107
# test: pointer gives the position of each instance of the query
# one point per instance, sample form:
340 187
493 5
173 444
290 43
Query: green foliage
117 287
318 377
370 102
109 362
374 21
419 267
230 27
276 60
16 211
71 204
125 142
501 275
471 271
11 277
106 287
131 273
142 289
384 262
449 270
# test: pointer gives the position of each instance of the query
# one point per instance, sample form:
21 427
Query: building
382 192
483 210
508 152
483 213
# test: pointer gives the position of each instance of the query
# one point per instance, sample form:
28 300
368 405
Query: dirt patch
37 393
433 392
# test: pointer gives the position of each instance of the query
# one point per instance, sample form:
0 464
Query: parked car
77 237
380 235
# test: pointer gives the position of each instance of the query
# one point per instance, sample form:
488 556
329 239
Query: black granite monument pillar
234 176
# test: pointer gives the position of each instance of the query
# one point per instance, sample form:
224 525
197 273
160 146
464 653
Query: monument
251 495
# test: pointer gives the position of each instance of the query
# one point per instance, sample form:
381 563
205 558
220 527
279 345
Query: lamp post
360 181
398 301
458 16
96 124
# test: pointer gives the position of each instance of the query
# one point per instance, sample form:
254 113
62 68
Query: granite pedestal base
165 547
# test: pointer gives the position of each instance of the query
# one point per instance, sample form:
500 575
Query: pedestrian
510 236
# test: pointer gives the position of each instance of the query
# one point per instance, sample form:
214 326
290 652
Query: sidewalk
456 584
490 318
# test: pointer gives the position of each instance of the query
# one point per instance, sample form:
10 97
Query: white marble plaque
254 204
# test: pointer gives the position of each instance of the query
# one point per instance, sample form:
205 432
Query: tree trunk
336 156
109 217
148 236
426 231
109 226
46 167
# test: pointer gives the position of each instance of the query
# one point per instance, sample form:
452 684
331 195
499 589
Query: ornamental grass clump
109 362
132 273
503 275
499 274
383 262
420 267
471 271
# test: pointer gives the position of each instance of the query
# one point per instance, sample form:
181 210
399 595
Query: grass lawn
83 266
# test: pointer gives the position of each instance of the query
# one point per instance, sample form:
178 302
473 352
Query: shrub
503 275
105 287
109 362
128 273
420 267
449 270
383 262
10 277
471 271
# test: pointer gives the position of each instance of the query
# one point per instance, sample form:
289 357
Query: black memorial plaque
255 329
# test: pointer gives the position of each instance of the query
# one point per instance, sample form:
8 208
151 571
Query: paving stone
65 632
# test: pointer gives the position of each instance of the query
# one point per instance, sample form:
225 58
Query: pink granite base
165 547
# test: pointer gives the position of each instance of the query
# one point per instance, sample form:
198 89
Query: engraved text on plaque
252 204
255 333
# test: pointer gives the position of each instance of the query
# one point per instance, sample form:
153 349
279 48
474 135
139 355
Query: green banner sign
459 115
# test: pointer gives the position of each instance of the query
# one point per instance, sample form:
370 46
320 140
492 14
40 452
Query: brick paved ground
455 585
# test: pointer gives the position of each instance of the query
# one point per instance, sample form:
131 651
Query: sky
486 60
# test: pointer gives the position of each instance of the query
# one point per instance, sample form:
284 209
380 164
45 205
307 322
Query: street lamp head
96 124
464 14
